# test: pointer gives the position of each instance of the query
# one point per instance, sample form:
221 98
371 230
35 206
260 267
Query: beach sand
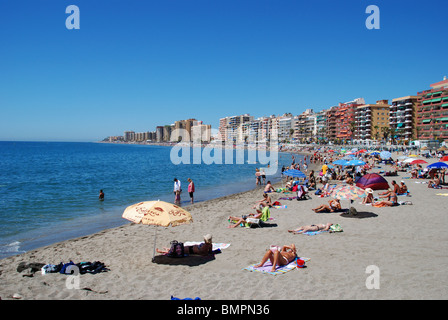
407 244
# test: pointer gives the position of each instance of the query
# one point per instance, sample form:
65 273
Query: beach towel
288 198
266 268
215 246
334 228
312 233
442 194
280 207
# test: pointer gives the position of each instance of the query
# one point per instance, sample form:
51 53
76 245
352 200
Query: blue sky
134 65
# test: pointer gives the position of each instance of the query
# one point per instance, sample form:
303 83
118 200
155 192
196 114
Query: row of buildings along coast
423 116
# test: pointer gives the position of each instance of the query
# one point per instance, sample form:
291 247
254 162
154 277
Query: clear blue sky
134 65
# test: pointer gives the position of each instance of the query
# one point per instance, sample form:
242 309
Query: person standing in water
177 191
101 196
191 189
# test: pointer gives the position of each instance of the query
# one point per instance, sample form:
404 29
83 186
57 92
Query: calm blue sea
49 190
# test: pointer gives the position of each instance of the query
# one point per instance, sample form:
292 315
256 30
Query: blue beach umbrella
340 162
375 153
385 155
356 162
294 173
437 165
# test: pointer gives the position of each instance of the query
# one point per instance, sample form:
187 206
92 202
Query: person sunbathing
312 227
203 248
333 206
369 197
269 187
434 183
279 257
238 220
265 202
391 201
403 188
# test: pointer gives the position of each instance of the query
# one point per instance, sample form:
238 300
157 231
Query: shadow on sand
359 215
191 261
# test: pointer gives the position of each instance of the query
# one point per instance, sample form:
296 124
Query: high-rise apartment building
432 112
345 118
371 120
403 118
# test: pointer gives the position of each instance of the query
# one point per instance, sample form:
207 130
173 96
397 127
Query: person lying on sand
203 248
264 214
334 205
312 227
279 257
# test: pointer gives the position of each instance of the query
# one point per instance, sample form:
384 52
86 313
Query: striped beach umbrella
347 192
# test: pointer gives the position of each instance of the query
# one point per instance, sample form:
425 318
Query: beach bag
176 249
336 228
353 211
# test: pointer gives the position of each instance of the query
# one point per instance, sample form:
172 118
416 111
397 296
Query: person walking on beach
177 191
190 189
101 196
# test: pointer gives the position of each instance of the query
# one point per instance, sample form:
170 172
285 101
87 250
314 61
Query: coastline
411 259
109 216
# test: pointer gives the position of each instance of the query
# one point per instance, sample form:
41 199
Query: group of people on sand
390 195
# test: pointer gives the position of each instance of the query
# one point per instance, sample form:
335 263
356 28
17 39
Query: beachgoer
265 202
434 183
203 248
391 201
369 197
263 176
269 187
101 196
403 188
177 190
312 227
396 187
333 206
190 189
257 176
261 214
279 257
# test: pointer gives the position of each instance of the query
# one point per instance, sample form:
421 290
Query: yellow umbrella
413 155
158 213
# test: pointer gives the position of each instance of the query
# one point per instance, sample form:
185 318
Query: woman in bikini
313 227
334 205
279 257
391 201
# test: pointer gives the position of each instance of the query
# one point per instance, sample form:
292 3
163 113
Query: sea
49 190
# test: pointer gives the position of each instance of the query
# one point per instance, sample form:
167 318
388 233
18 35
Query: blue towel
312 233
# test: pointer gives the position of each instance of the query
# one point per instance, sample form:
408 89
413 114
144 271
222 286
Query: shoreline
23 245
411 259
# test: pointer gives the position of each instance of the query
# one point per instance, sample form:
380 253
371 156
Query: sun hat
208 237
369 190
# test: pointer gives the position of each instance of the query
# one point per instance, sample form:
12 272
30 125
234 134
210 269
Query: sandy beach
407 244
